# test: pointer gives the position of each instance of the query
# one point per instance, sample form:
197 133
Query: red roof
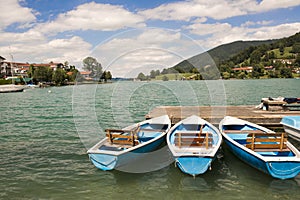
85 73
242 68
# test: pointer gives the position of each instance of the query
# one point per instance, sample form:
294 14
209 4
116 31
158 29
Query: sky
128 37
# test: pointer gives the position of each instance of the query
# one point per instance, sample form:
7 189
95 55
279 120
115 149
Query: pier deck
215 114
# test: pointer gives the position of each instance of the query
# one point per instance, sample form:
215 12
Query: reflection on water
283 186
193 184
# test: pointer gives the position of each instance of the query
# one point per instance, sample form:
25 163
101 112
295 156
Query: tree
165 78
297 61
152 74
30 71
59 76
91 64
157 73
43 73
286 73
296 48
108 75
257 71
142 77
226 75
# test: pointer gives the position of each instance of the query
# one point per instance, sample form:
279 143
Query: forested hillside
241 59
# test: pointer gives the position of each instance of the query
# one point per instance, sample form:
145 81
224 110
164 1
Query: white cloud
128 53
30 37
206 29
12 12
93 16
222 33
216 9
252 23
266 5
73 50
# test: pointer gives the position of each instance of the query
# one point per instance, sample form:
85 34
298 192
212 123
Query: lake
45 133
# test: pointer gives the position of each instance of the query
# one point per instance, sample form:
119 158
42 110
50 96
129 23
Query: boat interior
121 139
193 135
267 144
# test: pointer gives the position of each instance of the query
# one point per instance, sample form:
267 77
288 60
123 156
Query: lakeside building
86 75
247 69
284 61
7 68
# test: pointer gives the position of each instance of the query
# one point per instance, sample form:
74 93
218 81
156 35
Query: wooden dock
214 114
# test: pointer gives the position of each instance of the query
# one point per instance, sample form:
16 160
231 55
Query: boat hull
291 125
106 161
121 149
281 165
193 165
280 170
194 156
11 88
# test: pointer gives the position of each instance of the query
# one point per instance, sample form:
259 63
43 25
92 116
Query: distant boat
194 143
291 125
261 148
11 88
121 147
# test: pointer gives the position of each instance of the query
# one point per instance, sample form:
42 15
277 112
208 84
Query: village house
269 68
238 69
4 68
86 75
284 61
20 69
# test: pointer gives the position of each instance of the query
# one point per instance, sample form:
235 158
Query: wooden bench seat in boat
193 139
243 131
267 142
117 136
151 130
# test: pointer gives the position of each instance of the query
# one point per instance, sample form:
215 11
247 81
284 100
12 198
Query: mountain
278 58
216 55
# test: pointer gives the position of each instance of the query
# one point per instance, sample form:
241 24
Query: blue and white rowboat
194 143
121 147
291 125
261 148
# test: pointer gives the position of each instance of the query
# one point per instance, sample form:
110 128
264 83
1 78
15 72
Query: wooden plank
292 105
243 131
252 141
117 131
250 113
272 150
151 130
266 146
192 134
179 140
267 134
206 141
194 145
190 140
113 136
267 139
193 139
282 140
125 142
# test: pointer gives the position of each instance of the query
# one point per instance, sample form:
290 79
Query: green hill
216 55
281 54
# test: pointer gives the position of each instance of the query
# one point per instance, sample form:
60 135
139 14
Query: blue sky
128 35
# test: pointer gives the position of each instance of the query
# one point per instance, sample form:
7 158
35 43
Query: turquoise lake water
45 133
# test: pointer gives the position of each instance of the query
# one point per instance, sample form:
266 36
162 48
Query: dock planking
214 114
